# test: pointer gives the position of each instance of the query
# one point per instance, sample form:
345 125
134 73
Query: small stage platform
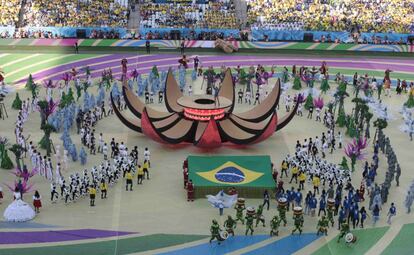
250 175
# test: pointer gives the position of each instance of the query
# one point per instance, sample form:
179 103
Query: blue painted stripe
122 43
286 246
230 245
271 44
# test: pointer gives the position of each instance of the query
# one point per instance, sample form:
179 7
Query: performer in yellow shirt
302 179
129 177
284 167
104 189
295 171
140 174
146 168
92 194
316 182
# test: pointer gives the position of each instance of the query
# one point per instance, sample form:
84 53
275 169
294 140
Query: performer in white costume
18 210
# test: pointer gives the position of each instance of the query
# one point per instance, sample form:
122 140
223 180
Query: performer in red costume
124 63
387 82
185 174
190 191
1 77
184 61
324 68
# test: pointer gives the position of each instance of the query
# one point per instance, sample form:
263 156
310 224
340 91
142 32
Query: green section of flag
256 170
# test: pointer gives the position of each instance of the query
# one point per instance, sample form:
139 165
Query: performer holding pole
216 95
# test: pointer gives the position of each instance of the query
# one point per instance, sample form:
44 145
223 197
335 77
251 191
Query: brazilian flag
250 175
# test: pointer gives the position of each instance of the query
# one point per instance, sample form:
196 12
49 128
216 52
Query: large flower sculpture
202 121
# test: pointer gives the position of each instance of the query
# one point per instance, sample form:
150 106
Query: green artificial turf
366 238
114 247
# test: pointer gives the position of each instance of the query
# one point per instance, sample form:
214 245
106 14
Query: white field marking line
313 46
174 247
385 240
39 63
332 46
15 41
81 241
256 246
96 42
20 60
3 55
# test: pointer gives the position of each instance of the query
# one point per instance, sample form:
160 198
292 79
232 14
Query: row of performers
259 73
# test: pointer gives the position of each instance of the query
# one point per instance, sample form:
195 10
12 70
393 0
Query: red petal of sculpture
148 129
269 131
210 137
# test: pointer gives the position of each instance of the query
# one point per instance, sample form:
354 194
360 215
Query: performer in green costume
298 221
230 224
344 230
259 216
322 226
297 85
239 212
330 215
275 224
282 214
249 224
215 231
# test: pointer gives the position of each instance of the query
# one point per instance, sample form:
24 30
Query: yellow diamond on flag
231 174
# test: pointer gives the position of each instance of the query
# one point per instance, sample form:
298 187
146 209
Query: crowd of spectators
38 33
192 35
79 13
334 15
354 16
9 12
214 14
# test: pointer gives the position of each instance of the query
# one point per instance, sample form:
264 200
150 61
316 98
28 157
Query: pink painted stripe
67 42
44 42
